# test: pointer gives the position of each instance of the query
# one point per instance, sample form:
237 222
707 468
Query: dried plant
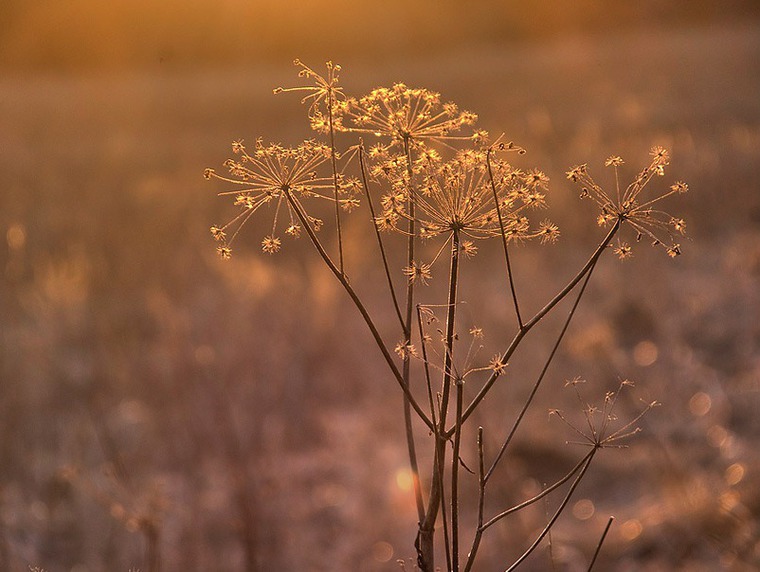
443 184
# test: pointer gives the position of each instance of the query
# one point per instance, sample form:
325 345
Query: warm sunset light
376 286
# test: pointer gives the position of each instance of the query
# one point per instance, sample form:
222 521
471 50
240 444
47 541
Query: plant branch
504 239
362 310
363 168
541 375
554 518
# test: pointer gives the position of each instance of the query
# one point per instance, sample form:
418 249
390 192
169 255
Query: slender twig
540 495
455 478
406 371
601 541
541 376
333 160
481 504
426 367
362 310
363 169
558 512
503 239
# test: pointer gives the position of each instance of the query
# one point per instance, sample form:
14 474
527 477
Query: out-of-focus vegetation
88 34
156 403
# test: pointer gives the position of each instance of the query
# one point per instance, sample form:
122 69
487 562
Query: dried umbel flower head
604 428
410 115
457 196
280 178
627 206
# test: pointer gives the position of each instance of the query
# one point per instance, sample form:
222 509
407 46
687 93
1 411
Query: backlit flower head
458 196
408 114
267 177
627 205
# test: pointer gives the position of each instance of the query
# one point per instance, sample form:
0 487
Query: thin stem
504 239
481 504
426 367
335 177
450 328
532 322
554 518
362 310
455 479
406 372
541 375
363 168
601 541
540 495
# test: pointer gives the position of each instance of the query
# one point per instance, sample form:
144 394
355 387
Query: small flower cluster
408 114
280 178
628 206
468 195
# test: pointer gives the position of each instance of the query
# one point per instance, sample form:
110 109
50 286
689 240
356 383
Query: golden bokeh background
163 409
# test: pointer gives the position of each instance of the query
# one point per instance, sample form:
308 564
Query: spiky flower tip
631 207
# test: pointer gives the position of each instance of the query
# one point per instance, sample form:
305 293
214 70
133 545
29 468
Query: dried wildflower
623 250
408 115
599 421
269 176
497 365
627 205
548 232
468 248
271 244
405 350
476 332
613 161
457 196
418 272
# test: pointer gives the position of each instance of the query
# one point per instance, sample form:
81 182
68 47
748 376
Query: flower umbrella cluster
279 178
628 206
411 115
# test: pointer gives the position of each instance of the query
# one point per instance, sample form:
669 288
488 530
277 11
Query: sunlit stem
558 512
599 545
455 478
481 504
541 376
406 372
362 310
504 239
363 168
330 101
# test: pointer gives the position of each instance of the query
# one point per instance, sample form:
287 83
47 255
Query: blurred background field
158 404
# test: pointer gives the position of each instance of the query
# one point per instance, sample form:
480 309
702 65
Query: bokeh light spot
700 404
717 435
382 551
645 353
631 529
583 509
734 474
404 480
